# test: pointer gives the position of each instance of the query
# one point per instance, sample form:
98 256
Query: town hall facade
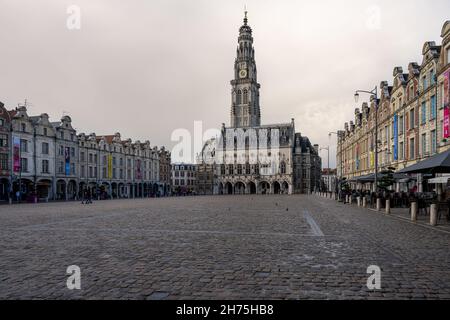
251 158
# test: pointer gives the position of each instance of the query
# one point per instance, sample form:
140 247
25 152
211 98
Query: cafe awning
371 178
439 163
362 179
441 180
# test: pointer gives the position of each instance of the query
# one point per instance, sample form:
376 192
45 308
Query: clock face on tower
242 73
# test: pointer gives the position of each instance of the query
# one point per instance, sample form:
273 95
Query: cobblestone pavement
229 247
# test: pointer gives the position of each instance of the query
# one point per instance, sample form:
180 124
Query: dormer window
432 75
45 131
424 83
23 127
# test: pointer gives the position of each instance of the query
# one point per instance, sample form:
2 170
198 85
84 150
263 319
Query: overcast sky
145 68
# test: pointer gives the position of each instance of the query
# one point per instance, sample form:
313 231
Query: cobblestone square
228 247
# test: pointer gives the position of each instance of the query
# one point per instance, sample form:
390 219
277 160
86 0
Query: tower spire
245 109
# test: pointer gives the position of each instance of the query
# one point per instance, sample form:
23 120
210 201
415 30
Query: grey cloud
145 68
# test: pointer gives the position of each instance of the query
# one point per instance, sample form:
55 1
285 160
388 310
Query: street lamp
328 152
328 162
337 183
374 94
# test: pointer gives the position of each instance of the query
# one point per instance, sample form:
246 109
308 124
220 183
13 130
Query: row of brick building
413 116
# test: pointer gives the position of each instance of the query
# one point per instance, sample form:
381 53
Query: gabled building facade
413 120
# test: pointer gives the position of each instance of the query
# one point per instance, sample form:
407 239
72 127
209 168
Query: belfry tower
245 111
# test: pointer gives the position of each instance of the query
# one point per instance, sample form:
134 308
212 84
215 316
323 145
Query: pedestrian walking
89 197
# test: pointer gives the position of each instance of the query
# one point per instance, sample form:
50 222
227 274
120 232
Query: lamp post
374 94
328 155
328 161
341 165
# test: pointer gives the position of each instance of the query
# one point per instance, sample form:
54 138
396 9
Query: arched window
245 96
239 97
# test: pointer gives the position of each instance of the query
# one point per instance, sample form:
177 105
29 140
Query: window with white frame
23 145
411 119
424 113
3 140
45 148
412 150
424 144
433 141
424 83
433 108
45 166
401 151
23 164
400 125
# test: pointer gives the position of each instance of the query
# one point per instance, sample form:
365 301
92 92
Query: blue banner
395 137
67 162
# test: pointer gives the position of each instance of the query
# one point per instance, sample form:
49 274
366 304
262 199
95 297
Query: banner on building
357 156
109 166
67 160
372 159
16 154
446 104
395 137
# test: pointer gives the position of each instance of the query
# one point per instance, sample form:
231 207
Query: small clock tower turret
245 110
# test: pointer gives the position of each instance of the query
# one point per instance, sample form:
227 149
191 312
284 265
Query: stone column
54 189
433 214
378 204
364 202
358 201
388 206
413 211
